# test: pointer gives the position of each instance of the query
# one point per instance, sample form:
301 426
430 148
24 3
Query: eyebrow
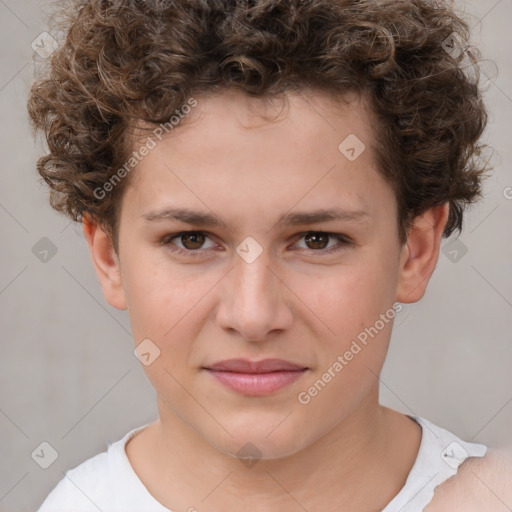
198 218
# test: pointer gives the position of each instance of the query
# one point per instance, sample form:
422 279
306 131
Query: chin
255 437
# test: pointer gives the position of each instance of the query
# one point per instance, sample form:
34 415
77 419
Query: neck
372 449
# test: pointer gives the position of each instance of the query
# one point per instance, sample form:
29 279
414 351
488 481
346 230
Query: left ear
420 253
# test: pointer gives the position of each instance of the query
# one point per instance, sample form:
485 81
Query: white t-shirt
108 483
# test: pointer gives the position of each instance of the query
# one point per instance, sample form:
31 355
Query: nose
254 299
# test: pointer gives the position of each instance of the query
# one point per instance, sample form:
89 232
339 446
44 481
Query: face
260 271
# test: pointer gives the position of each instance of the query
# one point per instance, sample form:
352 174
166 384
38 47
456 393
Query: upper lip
246 366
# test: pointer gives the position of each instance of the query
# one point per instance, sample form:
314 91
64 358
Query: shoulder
481 483
80 487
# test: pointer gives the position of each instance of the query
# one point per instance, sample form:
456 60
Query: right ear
106 262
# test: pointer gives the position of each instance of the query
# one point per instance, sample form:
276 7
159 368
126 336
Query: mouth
256 378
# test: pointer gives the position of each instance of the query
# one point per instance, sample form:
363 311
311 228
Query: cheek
348 298
352 345
164 301
354 312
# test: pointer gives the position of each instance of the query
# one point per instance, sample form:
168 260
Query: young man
262 185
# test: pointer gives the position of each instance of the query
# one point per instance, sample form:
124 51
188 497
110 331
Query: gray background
68 374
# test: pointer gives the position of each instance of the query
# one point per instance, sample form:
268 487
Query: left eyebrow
198 218
323 215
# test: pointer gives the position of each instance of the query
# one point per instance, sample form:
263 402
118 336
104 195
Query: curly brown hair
125 62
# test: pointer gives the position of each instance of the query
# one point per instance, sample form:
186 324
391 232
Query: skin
481 483
295 302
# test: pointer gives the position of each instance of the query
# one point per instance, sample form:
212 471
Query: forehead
252 153
303 119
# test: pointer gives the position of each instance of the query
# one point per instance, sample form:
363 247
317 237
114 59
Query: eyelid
340 236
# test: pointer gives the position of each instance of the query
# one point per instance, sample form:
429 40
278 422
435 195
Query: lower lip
257 384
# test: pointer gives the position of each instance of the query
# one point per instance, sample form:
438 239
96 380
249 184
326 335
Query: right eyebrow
187 216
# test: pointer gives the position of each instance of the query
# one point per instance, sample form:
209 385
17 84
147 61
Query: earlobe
106 263
420 253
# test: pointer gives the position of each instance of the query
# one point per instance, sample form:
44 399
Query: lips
246 366
256 378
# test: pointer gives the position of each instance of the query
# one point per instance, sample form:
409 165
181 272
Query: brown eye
317 240
323 242
188 243
192 240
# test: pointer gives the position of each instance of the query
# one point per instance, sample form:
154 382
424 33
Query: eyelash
166 240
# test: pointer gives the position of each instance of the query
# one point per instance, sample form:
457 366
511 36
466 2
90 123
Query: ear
106 263
420 253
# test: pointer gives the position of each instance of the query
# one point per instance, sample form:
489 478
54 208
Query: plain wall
68 373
